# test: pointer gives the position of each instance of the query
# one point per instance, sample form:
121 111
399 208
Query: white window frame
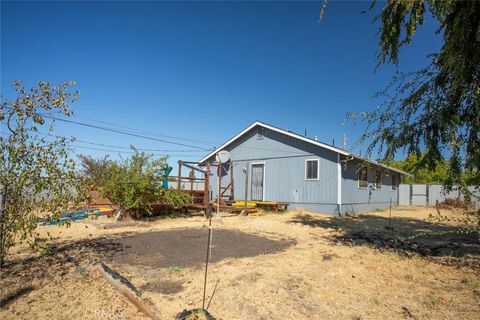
381 182
318 170
396 182
358 177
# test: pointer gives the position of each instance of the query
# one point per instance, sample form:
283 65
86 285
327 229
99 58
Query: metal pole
219 191
206 261
390 219
246 191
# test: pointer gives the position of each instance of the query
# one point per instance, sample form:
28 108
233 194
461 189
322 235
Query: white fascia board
382 165
290 134
302 138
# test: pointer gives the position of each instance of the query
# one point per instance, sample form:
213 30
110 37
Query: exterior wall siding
284 158
356 199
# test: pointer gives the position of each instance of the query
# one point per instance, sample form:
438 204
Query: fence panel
419 194
428 195
404 194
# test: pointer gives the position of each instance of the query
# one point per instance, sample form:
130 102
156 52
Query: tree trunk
3 201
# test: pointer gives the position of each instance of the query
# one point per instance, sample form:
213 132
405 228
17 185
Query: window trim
378 172
358 178
318 170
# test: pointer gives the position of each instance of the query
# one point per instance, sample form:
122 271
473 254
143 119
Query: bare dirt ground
295 265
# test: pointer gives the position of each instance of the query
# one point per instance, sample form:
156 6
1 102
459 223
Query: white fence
429 194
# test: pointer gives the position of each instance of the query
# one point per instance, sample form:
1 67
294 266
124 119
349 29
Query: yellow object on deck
240 203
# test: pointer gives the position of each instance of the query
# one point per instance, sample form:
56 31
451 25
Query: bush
134 184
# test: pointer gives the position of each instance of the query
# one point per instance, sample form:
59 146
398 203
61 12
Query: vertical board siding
284 159
355 199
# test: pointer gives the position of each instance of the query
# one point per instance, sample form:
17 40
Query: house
306 173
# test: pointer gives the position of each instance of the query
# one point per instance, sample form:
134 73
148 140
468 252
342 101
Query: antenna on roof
345 141
305 132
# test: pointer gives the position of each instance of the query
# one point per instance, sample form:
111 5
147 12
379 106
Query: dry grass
325 275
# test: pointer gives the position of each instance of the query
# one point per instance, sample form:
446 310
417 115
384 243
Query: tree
93 173
433 113
37 176
134 184
421 174
436 109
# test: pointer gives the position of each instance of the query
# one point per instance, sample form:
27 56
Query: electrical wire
121 132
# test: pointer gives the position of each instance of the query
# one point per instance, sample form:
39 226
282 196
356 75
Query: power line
74 146
123 147
122 132
130 152
145 131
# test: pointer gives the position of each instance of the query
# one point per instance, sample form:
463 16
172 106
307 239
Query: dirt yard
295 265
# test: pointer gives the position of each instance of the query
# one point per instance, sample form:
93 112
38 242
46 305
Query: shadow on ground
160 249
187 247
6 299
408 236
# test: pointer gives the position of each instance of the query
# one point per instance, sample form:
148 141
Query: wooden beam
179 180
126 289
206 196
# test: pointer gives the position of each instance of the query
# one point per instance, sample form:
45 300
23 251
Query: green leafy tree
422 174
37 176
434 112
134 183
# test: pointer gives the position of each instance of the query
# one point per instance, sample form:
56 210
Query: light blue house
306 173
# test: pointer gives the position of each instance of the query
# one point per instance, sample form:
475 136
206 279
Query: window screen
311 170
362 178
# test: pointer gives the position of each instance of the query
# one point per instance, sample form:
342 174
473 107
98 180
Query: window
378 179
311 169
260 133
362 177
394 182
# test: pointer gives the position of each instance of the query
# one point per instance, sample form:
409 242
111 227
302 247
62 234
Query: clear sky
202 70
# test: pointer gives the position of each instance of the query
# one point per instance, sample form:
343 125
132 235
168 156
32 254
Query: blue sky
203 70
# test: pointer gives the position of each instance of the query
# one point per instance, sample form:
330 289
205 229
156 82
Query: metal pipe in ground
206 261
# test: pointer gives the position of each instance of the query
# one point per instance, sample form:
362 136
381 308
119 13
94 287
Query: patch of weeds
79 270
432 302
376 301
380 210
409 277
175 269
472 283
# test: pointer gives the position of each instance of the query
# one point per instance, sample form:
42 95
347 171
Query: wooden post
206 199
179 181
246 190
219 191
126 291
232 196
